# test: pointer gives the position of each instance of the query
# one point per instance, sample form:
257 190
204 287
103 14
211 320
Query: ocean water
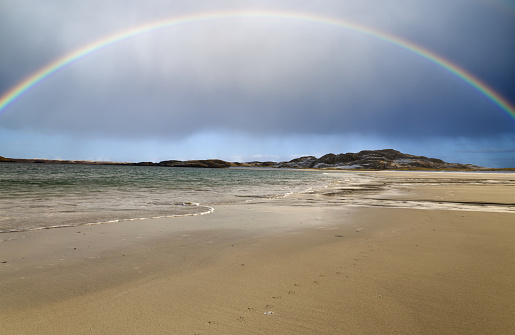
41 196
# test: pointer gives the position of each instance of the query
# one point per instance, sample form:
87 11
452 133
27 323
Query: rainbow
25 85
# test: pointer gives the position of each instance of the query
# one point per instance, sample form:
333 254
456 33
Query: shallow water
42 196
37 196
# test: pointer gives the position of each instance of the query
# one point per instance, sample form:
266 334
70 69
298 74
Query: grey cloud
263 77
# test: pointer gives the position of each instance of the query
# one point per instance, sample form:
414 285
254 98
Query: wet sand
408 263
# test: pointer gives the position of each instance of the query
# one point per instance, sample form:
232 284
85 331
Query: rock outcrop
385 159
207 163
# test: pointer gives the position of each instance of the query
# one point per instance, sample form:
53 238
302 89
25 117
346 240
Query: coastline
365 160
319 266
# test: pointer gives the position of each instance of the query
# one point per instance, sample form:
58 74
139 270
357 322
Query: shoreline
319 266
209 207
35 229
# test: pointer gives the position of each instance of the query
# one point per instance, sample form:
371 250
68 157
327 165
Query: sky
245 88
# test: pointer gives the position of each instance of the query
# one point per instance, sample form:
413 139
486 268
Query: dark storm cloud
258 76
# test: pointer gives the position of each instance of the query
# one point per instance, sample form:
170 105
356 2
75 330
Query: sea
44 196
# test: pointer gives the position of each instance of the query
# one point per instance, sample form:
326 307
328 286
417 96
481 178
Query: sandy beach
432 253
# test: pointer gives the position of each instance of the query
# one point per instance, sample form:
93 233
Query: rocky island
385 159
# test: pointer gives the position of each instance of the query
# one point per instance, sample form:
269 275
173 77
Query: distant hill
386 159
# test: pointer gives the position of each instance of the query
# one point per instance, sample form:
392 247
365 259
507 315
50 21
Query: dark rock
209 163
375 160
145 164
385 159
267 164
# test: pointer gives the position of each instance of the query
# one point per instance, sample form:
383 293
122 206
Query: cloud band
18 90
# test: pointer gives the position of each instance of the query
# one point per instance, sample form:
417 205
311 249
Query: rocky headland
386 159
